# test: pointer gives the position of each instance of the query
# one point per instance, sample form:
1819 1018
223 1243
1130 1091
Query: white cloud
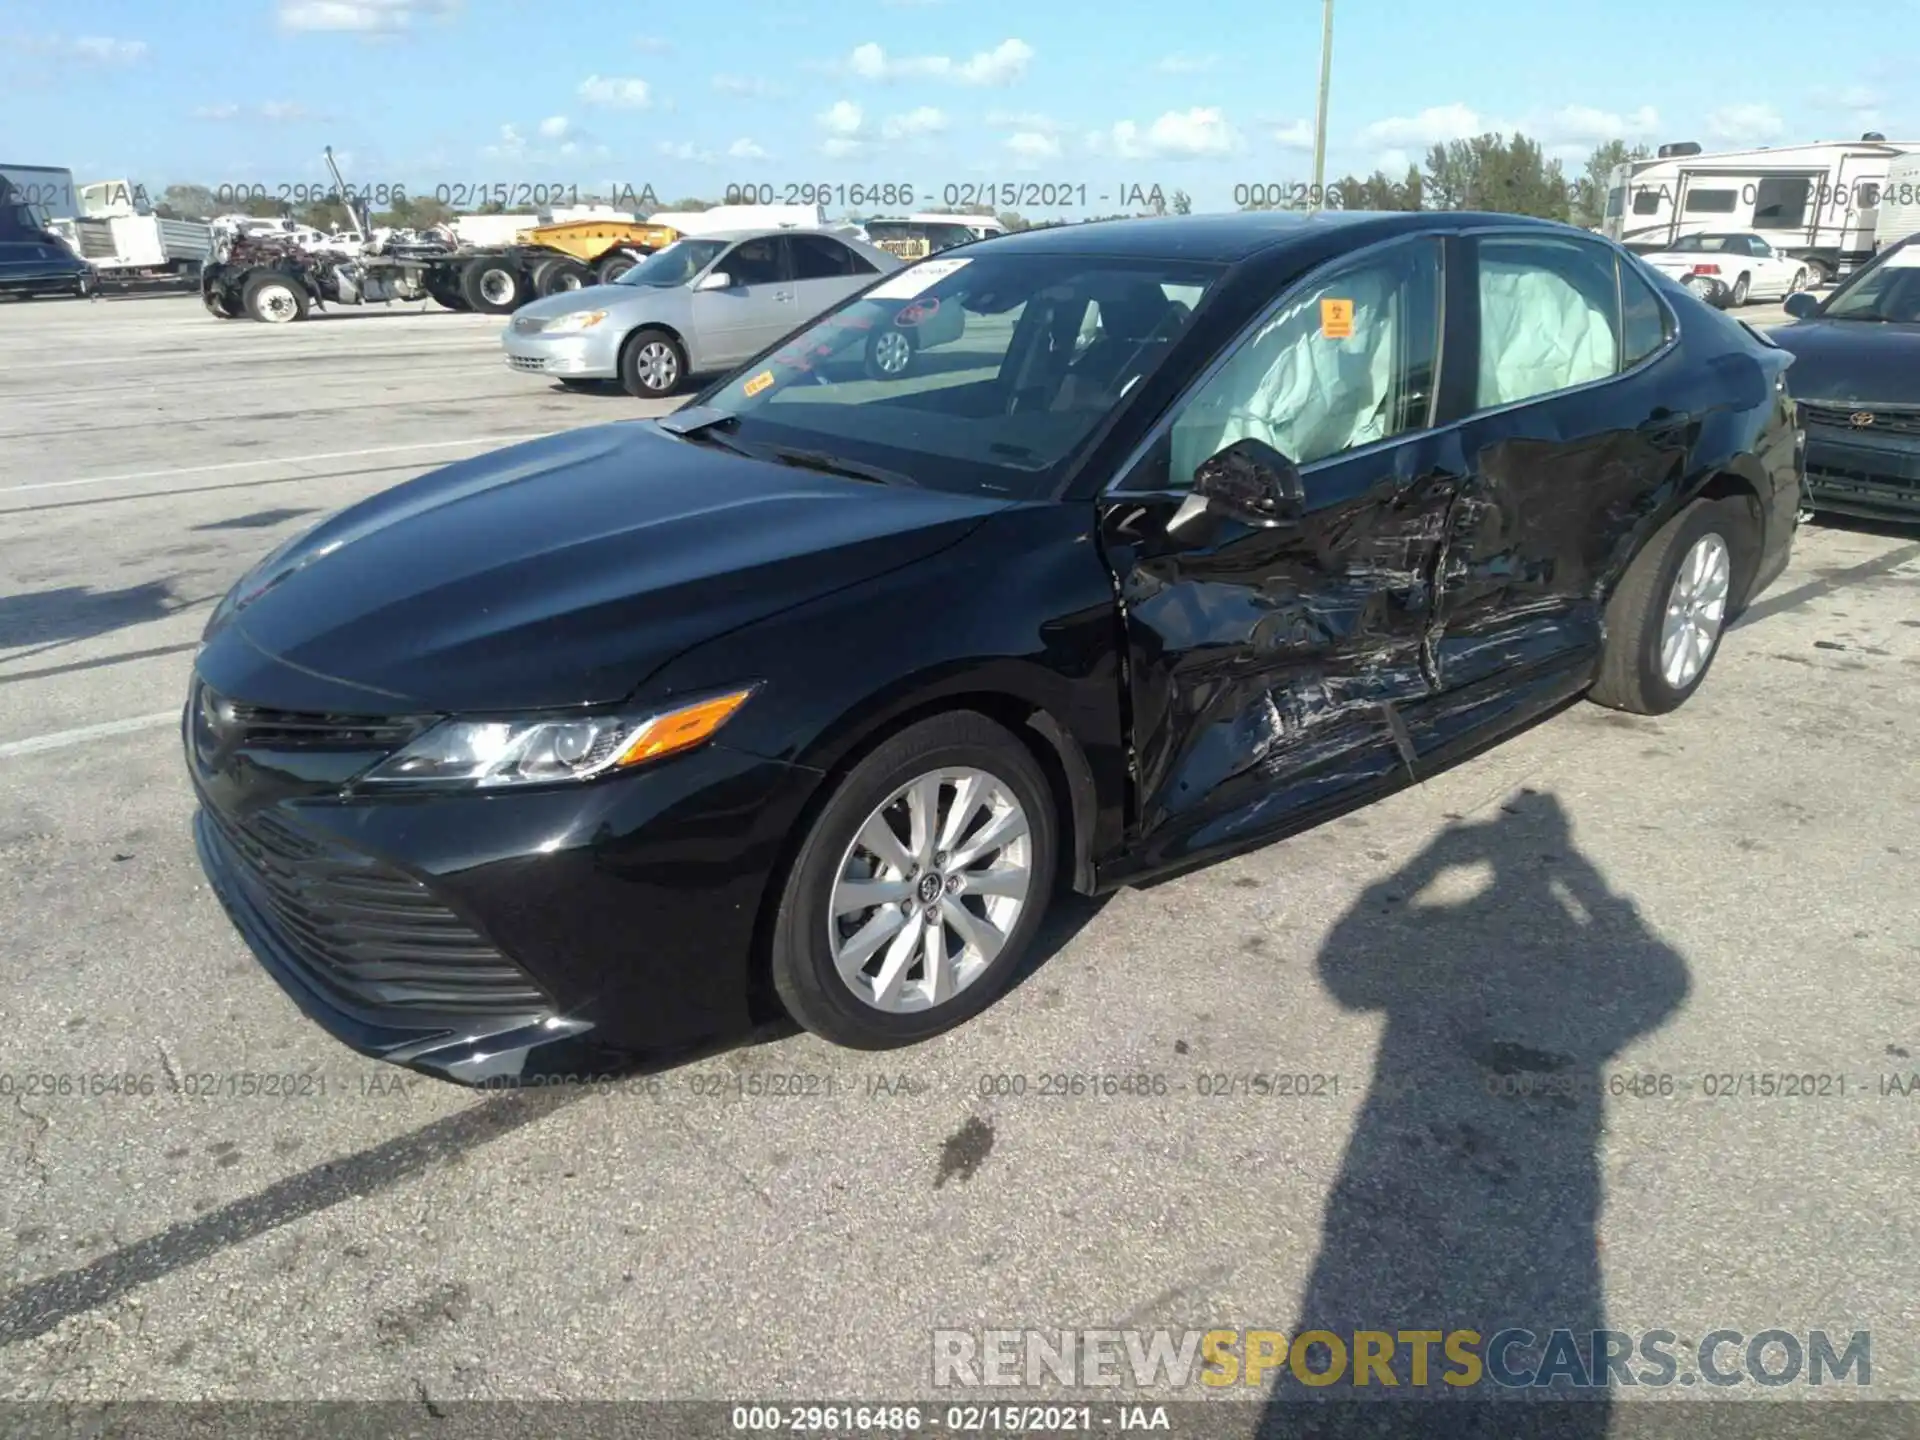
283 110
1297 136
104 51
372 17
688 152
1177 135
512 144
1745 123
1435 125
1024 120
1002 65
749 86
1393 162
1030 149
615 93
1585 125
555 127
842 118
652 45
915 123
1187 64
746 150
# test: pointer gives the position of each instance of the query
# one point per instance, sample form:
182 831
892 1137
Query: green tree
187 202
1379 191
325 215
1182 203
263 207
1590 190
1491 172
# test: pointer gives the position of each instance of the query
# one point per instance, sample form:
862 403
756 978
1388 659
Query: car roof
763 232
1238 236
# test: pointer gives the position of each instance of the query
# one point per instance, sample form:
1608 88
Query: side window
1341 362
1643 323
752 262
815 257
1647 202
1549 317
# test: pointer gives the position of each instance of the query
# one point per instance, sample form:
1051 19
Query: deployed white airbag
1537 334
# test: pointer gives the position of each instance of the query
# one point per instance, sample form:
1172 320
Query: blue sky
1204 96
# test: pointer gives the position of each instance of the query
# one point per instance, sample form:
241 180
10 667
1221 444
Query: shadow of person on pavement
1509 976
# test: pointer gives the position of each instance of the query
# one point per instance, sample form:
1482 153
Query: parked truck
116 232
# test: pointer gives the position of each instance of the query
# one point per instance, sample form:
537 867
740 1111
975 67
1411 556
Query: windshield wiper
833 465
702 426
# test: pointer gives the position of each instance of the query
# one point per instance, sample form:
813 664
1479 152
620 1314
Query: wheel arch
863 730
1733 482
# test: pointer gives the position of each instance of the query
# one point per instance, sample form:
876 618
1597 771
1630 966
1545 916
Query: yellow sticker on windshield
759 383
1336 319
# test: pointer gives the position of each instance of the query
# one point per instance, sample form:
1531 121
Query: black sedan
804 698
1857 377
42 267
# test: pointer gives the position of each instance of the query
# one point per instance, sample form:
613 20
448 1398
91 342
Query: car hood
567 570
622 298
28 260
1852 361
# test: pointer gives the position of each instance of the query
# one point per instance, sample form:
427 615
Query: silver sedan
703 304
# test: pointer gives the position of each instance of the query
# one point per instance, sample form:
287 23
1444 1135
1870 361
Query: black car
42 267
803 698
1857 377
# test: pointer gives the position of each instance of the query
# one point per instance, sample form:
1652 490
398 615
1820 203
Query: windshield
1703 242
675 265
979 373
1887 292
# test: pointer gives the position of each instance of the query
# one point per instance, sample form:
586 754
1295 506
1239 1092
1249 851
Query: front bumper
586 356
509 938
1877 479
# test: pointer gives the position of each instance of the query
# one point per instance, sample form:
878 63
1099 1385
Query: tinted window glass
1781 202
1711 202
1643 324
1647 202
1549 317
1343 362
817 258
752 262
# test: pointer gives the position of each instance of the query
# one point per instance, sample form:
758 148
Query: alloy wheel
932 885
1696 608
892 353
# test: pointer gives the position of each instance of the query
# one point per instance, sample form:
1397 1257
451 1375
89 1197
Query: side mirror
715 280
1252 482
1800 304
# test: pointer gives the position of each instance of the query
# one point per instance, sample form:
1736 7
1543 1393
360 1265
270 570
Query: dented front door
1268 668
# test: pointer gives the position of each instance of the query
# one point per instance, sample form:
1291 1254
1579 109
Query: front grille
1884 421
1848 478
298 729
527 362
366 936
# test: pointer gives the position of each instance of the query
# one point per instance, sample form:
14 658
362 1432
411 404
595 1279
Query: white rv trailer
1899 202
1818 203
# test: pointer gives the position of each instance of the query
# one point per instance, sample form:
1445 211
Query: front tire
1739 296
1667 615
652 365
273 298
919 889
1800 278
890 354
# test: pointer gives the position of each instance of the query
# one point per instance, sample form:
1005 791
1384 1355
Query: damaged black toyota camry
809 697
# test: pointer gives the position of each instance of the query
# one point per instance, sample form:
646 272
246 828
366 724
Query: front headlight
578 320
488 754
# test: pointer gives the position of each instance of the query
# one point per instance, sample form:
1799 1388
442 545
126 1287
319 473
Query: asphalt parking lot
1676 918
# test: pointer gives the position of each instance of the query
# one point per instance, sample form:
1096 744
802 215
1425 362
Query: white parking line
286 460
61 738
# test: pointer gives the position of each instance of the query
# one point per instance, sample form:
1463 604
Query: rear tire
1666 617
1739 296
558 277
891 353
653 365
974 968
493 287
275 298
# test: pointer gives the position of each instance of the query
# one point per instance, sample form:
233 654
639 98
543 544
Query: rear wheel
920 887
609 268
890 353
274 298
1666 617
557 277
493 287
1800 279
652 365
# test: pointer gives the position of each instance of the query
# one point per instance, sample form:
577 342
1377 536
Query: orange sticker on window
759 383
1336 319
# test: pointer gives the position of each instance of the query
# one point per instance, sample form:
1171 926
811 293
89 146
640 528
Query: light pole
1318 194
